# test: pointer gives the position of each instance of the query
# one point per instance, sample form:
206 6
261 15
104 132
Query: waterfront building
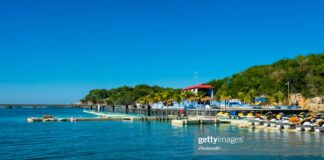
207 89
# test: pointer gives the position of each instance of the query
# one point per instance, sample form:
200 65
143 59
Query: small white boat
273 122
258 121
300 128
255 122
287 124
45 118
309 126
48 120
34 119
73 119
279 125
266 124
319 129
30 119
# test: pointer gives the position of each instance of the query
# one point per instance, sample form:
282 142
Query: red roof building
199 86
209 90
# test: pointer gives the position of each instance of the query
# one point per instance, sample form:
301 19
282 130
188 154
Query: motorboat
241 115
233 115
34 119
273 122
309 126
256 121
47 118
250 115
279 124
266 124
300 128
222 115
320 127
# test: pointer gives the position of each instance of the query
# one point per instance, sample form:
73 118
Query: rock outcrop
313 104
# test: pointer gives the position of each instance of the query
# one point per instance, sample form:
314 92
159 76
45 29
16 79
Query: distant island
303 74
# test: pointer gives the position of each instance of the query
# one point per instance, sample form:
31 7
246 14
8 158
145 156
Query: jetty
180 121
45 105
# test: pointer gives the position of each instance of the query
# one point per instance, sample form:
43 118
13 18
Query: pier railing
191 112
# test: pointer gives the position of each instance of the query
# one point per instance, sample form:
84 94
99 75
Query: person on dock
182 114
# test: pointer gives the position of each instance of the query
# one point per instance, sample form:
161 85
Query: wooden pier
45 105
153 111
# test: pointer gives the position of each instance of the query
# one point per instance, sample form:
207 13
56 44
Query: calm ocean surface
139 140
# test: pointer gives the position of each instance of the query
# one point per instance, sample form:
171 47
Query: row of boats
300 122
50 118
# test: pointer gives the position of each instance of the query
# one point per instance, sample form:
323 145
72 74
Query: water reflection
266 141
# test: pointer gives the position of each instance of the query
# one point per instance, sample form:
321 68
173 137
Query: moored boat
287 124
266 124
300 128
279 125
256 121
319 129
308 126
47 118
250 115
34 119
273 122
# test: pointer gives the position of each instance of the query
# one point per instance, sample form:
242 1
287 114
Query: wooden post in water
113 108
148 110
126 108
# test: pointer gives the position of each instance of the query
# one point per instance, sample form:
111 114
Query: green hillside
305 73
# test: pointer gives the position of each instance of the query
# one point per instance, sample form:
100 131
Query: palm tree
226 98
270 99
187 95
248 99
240 96
175 96
83 101
200 95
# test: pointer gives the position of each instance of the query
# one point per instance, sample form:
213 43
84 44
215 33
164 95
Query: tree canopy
130 95
305 75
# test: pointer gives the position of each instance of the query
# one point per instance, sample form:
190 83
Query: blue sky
56 51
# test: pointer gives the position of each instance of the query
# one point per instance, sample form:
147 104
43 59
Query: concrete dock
175 121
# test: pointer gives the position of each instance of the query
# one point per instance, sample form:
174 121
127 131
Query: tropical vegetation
305 75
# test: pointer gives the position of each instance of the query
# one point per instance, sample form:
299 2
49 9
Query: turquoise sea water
140 140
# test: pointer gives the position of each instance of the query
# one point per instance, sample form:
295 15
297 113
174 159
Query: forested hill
305 73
